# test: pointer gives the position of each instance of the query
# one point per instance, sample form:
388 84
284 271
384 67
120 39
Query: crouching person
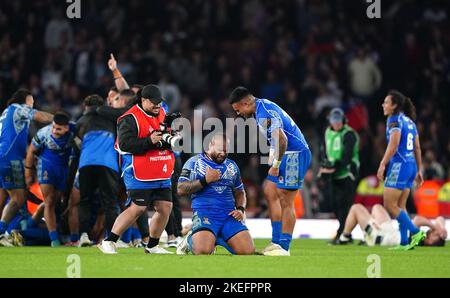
218 200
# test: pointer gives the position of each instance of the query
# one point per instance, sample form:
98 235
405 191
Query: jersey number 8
410 142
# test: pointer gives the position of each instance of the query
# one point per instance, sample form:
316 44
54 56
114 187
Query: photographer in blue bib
340 165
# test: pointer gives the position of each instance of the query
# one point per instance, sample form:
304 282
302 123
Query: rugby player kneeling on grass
218 200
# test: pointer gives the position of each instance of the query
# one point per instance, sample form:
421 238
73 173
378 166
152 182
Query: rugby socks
152 242
285 241
403 234
112 237
403 219
74 237
3 227
221 242
53 235
276 232
126 237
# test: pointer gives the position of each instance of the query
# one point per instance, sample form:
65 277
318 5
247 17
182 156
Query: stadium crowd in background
308 56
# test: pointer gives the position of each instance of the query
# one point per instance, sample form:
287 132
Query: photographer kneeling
342 164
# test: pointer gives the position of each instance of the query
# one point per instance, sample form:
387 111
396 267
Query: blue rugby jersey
14 124
269 116
408 131
52 150
219 195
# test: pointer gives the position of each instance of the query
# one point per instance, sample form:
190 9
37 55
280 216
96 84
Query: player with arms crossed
218 199
404 164
291 157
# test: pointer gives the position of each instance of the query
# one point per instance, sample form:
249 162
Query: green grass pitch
309 258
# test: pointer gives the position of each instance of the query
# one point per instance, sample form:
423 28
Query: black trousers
174 226
106 182
343 194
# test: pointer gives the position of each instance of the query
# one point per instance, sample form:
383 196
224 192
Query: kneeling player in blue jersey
218 200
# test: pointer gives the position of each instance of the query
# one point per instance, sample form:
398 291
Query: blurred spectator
58 30
432 168
365 76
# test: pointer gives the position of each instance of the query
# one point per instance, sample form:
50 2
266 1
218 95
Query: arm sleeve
25 112
187 173
127 134
394 123
271 120
38 139
238 185
273 117
349 143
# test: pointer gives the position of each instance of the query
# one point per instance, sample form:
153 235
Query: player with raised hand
119 80
404 164
14 124
291 157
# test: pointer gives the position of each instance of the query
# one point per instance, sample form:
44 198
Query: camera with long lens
169 136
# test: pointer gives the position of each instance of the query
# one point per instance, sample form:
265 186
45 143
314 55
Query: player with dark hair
404 164
14 124
218 200
291 158
53 146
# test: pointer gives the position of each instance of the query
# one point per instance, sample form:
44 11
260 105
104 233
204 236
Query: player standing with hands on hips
292 157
